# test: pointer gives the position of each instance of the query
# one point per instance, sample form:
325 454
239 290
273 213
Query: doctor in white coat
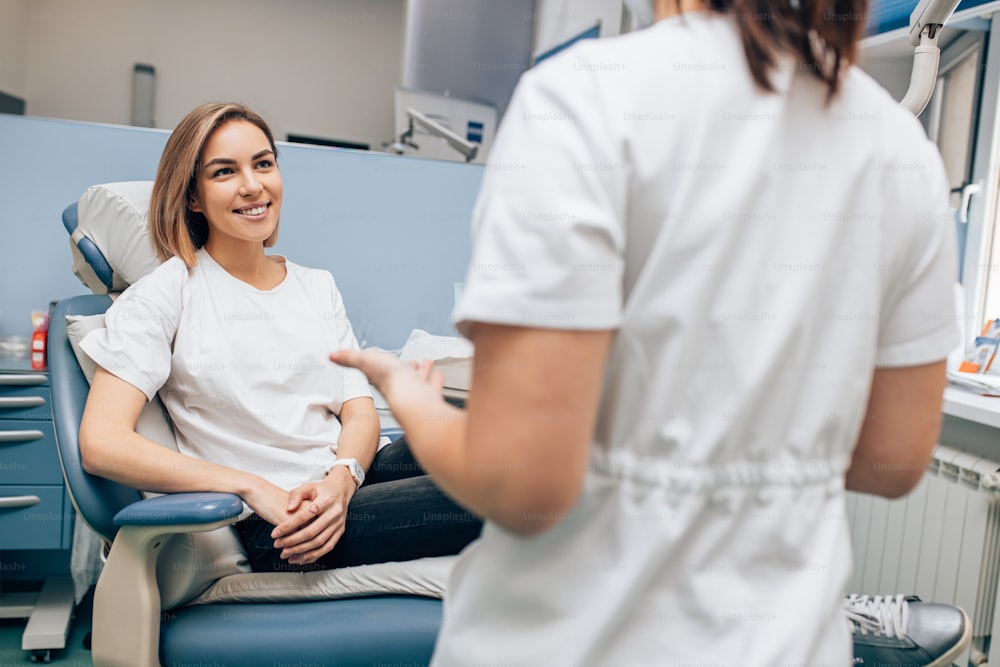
711 289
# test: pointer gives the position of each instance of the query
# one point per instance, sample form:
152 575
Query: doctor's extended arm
517 454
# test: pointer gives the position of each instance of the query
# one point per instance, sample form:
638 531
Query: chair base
49 613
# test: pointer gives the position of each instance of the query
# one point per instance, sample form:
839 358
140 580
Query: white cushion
424 576
114 217
202 568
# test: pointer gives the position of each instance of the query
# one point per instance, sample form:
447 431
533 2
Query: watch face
357 472
354 467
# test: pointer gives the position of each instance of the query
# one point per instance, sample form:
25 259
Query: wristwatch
353 466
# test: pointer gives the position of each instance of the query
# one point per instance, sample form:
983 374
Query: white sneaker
904 631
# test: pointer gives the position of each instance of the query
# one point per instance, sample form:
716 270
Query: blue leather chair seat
390 630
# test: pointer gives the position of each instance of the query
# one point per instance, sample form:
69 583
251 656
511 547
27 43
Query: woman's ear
193 205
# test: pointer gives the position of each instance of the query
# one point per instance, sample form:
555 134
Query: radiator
941 542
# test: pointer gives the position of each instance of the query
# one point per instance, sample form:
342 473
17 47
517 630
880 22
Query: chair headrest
110 237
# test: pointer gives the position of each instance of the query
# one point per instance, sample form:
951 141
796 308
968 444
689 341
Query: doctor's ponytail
822 34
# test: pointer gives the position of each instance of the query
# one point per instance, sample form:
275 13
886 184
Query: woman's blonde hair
176 230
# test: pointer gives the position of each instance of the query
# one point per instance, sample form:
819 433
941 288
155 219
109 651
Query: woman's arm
359 431
901 427
517 454
111 448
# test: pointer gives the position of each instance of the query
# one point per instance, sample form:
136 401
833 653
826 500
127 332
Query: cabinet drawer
28 453
31 517
25 403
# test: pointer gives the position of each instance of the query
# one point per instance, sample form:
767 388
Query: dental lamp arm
924 76
930 16
926 22
466 148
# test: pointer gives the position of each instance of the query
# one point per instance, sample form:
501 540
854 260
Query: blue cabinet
35 512
36 515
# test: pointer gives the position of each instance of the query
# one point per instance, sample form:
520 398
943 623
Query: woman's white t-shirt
242 372
758 255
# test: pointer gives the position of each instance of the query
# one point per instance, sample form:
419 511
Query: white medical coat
759 255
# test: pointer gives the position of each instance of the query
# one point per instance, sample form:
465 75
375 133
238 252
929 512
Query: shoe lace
879 614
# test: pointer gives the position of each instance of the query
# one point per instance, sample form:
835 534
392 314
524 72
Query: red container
39 358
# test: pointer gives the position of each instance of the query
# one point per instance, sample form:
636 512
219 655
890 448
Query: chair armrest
181 509
126 621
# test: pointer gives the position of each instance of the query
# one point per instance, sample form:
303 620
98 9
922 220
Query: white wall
558 20
12 20
317 67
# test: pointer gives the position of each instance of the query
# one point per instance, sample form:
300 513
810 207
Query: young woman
717 290
236 342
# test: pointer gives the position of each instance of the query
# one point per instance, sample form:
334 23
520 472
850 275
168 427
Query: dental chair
175 589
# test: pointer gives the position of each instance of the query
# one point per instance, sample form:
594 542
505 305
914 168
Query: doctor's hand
324 505
398 381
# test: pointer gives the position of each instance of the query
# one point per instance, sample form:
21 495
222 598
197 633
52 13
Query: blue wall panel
393 230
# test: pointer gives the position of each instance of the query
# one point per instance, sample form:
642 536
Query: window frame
981 245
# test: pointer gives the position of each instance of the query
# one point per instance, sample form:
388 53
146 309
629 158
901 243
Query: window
968 83
950 120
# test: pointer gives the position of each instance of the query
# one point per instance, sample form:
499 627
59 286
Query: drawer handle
16 502
21 380
20 436
21 402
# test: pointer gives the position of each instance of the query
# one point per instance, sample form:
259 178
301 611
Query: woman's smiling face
239 185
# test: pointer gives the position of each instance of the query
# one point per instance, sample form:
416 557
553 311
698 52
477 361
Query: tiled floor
74 655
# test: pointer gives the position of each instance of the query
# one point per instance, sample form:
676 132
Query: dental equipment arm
466 148
926 22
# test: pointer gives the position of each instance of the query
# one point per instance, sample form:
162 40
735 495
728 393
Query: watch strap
353 467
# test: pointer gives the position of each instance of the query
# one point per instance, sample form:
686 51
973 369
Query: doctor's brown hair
823 34
174 229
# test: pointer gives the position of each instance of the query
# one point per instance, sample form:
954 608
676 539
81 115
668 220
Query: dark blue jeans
398 514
